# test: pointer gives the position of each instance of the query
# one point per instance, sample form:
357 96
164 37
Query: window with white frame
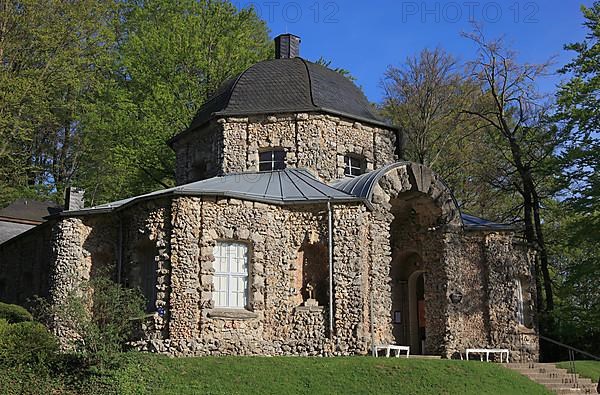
520 304
231 275
353 165
271 160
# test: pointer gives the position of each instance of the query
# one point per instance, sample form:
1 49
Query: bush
18 380
26 343
14 314
100 315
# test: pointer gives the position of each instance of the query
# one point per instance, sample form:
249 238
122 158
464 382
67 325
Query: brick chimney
74 198
287 46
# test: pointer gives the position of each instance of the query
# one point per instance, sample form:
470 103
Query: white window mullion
231 275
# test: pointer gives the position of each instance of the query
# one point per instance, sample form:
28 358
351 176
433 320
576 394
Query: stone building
296 228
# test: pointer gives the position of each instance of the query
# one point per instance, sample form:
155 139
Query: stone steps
555 379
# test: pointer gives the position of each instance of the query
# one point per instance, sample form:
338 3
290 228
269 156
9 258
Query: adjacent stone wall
350 278
314 141
508 260
273 323
412 212
468 320
481 266
147 226
199 154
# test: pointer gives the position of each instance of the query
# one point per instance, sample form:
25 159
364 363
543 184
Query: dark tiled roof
282 187
29 210
8 230
288 85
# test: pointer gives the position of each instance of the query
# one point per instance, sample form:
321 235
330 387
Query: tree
425 97
51 54
91 90
170 57
577 217
514 113
327 63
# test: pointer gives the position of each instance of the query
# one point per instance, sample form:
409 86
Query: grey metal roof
363 185
288 85
475 223
282 187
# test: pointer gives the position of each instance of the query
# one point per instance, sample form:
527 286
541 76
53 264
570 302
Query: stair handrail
587 354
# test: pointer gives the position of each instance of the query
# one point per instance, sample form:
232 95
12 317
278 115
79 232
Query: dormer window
354 165
271 160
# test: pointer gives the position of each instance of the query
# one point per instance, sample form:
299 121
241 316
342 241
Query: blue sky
367 36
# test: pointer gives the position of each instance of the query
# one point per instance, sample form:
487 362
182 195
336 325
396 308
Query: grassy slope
590 369
291 375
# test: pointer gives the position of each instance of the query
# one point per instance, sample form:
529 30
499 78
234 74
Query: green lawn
153 374
590 369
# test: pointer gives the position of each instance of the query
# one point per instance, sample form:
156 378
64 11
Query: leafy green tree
425 97
577 216
327 63
170 57
51 55
516 116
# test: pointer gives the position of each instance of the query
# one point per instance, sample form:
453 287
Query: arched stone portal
413 211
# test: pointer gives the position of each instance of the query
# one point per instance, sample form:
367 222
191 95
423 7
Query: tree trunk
532 231
543 253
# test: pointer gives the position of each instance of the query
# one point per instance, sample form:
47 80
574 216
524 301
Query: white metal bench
487 352
389 347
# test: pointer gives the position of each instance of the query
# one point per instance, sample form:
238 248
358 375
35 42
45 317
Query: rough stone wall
350 277
482 266
314 141
467 321
508 260
25 265
147 226
412 211
273 323
199 155
81 248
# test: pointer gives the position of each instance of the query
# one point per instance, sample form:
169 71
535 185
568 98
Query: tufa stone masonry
296 229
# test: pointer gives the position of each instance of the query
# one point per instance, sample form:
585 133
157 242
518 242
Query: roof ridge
310 83
233 86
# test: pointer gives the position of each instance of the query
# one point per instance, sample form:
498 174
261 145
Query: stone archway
414 209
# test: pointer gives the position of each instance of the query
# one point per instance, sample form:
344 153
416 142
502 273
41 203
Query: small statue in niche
310 301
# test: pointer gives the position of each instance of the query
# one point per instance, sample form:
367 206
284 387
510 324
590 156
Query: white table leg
487 356
407 352
387 352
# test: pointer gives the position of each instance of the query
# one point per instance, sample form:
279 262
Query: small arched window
354 165
271 160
